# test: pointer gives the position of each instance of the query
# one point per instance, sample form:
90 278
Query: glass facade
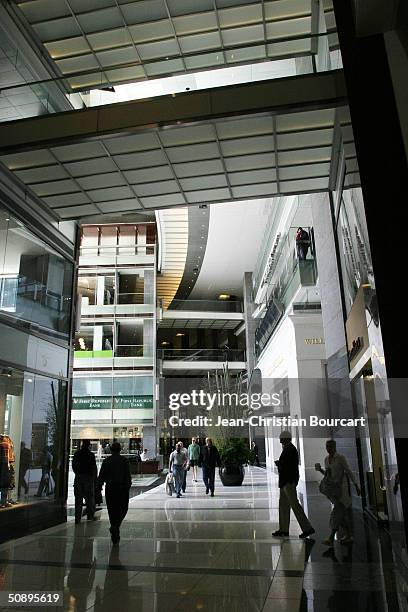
113 383
35 281
354 246
35 325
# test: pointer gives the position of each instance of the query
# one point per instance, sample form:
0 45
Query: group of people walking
181 460
114 474
335 485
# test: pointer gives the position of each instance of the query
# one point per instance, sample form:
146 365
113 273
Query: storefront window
35 282
32 430
354 245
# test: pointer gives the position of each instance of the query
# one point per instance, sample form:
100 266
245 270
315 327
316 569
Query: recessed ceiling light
179 334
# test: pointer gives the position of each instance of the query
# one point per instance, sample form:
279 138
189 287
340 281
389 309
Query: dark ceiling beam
292 94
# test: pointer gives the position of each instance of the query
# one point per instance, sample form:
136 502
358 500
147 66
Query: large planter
232 475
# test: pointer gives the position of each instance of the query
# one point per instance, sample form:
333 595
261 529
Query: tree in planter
234 451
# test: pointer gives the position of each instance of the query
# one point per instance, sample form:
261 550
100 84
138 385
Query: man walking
193 457
84 468
288 468
115 473
177 465
209 460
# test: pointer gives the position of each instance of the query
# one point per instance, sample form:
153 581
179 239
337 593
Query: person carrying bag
336 487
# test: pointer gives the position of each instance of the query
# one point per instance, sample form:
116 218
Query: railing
129 350
222 355
134 298
284 56
102 354
206 305
117 299
121 350
117 250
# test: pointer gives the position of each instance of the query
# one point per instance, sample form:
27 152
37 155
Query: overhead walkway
231 143
202 553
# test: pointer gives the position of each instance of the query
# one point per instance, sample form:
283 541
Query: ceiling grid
128 41
221 160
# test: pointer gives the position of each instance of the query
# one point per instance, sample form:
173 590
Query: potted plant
234 454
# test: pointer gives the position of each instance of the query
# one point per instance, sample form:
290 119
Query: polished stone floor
202 553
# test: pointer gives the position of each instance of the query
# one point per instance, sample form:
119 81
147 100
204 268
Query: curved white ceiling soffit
234 236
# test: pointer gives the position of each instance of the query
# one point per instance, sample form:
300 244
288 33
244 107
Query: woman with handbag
336 486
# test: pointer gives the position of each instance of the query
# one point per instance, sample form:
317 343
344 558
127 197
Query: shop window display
32 427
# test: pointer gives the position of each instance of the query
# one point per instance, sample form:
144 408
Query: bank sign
109 403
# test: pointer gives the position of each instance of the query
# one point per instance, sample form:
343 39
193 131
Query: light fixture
165 343
180 334
224 296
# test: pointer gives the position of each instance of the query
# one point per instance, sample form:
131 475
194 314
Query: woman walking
177 465
338 476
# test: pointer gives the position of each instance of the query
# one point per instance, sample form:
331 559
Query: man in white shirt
145 455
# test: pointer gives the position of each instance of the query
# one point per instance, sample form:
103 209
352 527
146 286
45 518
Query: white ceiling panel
201 182
240 16
132 161
252 191
115 206
103 19
210 195
90 166
147 175
207 150
84 150
201 168
245 127
41 10
76 212
305 156
36 175
54 187
111 179
194 23
128 144
111 193
247 162
69 199
253 176
255 144
109 39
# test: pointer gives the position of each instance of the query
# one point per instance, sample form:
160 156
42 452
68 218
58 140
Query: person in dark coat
115 473
288 469
209 460
25 462
84 468
255 451
46 464
302 243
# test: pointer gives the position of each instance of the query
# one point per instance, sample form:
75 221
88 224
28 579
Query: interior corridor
203 553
